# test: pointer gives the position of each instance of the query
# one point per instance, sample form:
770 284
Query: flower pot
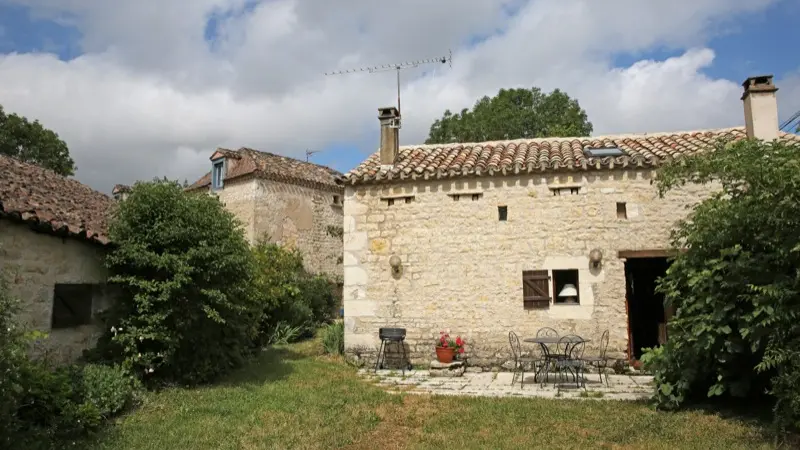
445 354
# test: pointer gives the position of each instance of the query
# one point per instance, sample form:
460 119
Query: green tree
736 286
188 311
33 143
513 114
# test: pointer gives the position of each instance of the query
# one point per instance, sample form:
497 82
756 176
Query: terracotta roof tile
539 155
249 162
56 203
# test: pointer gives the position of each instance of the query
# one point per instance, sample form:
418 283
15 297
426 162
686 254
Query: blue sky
744 44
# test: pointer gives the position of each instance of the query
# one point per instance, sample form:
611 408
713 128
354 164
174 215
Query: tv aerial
397 67
311 152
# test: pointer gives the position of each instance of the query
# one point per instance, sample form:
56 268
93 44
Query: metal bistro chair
547 357
600 361
572 347
519 359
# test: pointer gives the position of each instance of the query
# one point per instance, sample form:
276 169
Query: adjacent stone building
52 242
487 238
292 202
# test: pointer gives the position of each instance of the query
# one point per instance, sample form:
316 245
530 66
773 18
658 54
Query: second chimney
760 107
390 133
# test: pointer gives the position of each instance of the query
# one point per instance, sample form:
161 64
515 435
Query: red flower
459 342
461 350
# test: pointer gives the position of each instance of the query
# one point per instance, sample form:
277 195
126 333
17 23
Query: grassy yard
293 398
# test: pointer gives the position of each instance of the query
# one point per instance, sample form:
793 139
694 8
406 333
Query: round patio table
544 341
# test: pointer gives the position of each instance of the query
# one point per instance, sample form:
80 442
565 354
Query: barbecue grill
389 335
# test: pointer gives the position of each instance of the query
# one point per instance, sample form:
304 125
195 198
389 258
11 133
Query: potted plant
447 348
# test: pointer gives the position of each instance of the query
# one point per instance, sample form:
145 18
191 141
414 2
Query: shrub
333 338
291 297
109 389
187 313
41 406
12 361
736 330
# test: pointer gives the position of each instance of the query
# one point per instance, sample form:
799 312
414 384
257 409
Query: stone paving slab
489 384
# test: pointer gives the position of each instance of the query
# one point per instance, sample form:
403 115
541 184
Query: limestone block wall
462 267
36 262
309 219
239 197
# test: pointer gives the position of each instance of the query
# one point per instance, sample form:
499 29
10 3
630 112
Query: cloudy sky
144 88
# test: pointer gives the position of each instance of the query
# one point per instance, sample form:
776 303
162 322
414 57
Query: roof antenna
310 152
398 67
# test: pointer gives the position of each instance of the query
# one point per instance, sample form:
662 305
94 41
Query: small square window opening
622 210
456 197
72 305
335 199
409 199
566 287
390 202
476 197
502 213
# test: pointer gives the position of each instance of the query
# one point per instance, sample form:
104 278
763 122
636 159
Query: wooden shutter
535 289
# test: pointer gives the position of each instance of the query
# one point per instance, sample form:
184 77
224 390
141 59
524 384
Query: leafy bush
283 333
108 388
736 287
333 338
12 361
289 295
42 406
188 312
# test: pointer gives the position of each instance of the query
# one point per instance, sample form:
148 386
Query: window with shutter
535 289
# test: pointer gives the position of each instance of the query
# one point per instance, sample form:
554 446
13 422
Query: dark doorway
646 315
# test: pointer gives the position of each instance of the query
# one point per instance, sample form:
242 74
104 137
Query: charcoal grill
387 336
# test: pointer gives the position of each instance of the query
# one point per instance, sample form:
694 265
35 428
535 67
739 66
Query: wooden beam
652 253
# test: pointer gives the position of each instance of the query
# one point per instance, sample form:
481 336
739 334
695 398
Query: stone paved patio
498 384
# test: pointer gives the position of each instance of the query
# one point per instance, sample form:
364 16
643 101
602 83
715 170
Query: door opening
647 317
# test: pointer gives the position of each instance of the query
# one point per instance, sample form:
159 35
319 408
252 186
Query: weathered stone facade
308 218
36 263
462 267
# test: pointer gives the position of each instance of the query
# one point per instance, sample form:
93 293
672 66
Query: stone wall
36 263
462 267
239 197
305 218
291 215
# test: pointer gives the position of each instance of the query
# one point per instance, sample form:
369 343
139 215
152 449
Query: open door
647 317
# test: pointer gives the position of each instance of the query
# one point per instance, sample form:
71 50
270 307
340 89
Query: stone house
52 242
290 202
487 238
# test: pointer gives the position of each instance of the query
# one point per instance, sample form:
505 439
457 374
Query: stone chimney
390 134
760 107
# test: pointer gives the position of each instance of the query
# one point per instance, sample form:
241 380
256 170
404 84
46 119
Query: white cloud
151 97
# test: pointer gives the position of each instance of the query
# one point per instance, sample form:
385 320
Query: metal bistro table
544 341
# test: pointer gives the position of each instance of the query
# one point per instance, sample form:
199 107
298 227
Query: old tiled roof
248 162
539 155
52 202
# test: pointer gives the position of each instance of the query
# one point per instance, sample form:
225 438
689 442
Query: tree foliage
513 114
31 142
188 311
736 286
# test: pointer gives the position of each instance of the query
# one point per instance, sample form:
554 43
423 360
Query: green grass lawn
292 397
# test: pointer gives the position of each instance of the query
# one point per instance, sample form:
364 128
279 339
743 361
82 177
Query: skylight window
603 151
